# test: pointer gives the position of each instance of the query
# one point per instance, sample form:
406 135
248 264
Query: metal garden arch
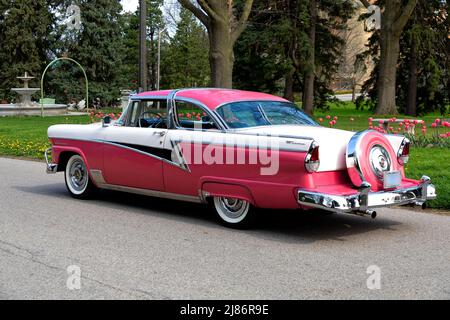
45 71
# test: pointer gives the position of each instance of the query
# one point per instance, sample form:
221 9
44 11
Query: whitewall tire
77 178
234 213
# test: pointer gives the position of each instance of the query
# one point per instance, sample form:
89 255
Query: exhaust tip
371 213
423 205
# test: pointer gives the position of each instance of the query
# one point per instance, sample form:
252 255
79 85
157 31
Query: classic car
236 150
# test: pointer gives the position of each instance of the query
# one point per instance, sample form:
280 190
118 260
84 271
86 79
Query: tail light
312 161
403 152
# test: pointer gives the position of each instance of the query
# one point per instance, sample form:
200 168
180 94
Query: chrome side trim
364 201
51 167
125 147
97 176
177 152
211 142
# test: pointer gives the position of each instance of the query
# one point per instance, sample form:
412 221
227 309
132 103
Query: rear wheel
77 178
234 213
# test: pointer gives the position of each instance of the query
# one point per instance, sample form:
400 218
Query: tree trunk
393 21
390 51
308 90
289 85
221 57
353 90
224 28
142 46
152 78
411 105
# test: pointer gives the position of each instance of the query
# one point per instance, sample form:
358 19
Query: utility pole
142 45
159 60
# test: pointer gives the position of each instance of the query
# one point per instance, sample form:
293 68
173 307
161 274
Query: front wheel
234 213
77 178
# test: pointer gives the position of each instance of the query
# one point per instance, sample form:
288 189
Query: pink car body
317 167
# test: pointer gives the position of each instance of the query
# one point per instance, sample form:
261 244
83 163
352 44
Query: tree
185 60
422 70
224 28
353 67
266 49
25 36
155 24
424 64
273 53
394 18
129 26
308 89
99 47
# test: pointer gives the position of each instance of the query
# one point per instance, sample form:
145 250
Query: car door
134 150
193 127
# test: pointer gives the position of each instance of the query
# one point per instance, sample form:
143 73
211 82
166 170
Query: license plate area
392 179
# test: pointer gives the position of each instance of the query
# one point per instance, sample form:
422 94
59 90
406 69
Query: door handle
162 133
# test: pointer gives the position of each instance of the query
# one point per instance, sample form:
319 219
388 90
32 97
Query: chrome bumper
51 167
365 201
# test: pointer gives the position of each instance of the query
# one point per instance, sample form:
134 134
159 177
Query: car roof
212 97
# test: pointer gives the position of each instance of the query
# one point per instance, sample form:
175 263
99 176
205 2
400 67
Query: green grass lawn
27 137
345 111
435 163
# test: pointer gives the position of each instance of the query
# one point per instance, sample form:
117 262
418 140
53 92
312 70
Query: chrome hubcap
233 208
379 160
78 175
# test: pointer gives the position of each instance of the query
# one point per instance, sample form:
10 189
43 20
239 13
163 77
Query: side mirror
106 121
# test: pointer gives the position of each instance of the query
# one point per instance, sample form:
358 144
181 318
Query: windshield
262 113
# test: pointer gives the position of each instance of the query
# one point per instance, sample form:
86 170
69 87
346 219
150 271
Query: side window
190 116
147 114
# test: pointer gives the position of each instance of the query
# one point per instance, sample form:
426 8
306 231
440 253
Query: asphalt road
132 247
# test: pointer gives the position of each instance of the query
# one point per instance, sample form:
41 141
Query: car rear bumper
364 201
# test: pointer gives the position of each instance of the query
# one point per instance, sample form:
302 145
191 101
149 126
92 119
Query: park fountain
27 107
25 92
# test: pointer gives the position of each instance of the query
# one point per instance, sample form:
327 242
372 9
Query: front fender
58 150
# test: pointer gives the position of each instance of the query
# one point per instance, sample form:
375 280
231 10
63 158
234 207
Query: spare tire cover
369 155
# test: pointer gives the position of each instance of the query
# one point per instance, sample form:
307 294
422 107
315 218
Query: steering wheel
155 125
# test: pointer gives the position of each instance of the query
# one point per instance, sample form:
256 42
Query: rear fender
223 189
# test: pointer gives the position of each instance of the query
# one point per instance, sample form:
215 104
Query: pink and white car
238 151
